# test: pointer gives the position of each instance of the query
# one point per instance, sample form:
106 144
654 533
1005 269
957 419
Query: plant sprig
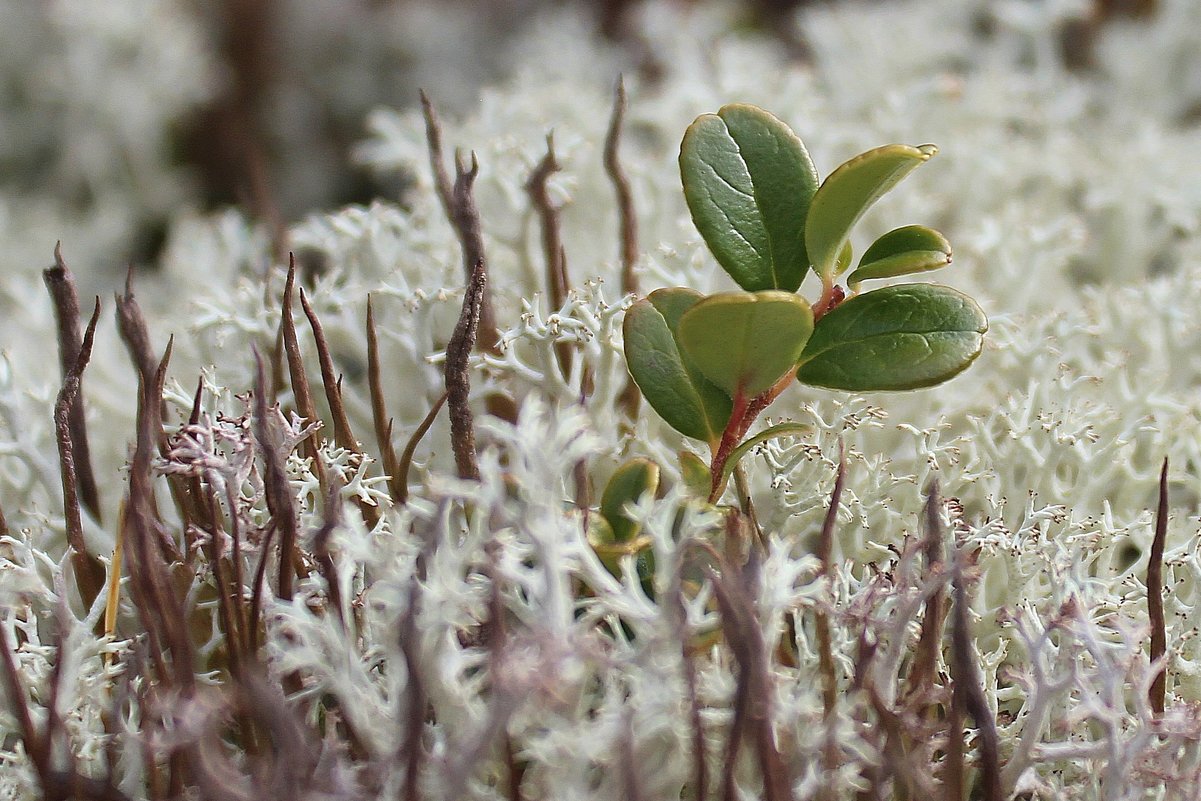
711 365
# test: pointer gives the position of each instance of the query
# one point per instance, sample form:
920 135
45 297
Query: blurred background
115 118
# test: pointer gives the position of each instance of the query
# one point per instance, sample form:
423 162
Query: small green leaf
695 473
778 430
748 181
744 342
903 251
670 383
900 337
845 256
629 483
850 191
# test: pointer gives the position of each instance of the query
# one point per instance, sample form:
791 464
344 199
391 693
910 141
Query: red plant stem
742 417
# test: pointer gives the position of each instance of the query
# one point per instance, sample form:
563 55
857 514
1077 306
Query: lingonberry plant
711 365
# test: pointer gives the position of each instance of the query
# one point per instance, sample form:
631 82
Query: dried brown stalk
131 326
343 434
61 285
300 381
458 382
679 619
627 218
330 521
379 409
1159 637
400 492
919 683
89 572
458 201
967 698
825 555
161 610
280 502
552 241
735 591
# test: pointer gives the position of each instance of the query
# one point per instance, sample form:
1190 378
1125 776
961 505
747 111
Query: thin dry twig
967 697
552 241
280 502
921 677
132 328
89 571
679 619
18 703
379 409
343 434
458 382
61 285
1159 637
458 201
330 521
825 554
160 609
401 491
626 215
735 591
300 381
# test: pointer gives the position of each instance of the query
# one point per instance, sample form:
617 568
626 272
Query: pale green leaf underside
903 251
850 191
899 337
745 342
748 182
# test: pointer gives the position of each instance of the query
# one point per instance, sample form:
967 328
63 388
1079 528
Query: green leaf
672 386
748 181
695 473
900 337
850 191
903 251
629 483
744 342
778 430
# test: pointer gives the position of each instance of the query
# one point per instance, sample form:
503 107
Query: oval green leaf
671 385
900 337
850 191
744 342
695 474
903 251
629 483
748 181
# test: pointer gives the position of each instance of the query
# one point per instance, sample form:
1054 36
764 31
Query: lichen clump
928 593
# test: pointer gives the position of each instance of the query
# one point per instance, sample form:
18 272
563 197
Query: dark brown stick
132 328
627 218
18 704
968 693
300 381
552 242
61 285
343 434
458 382
280 502
929 644
458 201
321 553
89 572
379 409
825 554
401 490
1159 636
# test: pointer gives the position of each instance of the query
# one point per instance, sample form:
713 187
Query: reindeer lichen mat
709 365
